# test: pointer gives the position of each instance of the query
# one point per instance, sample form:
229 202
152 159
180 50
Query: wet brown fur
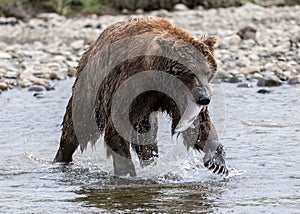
159 102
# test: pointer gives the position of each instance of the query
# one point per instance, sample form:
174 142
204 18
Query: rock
294 80
248 32
88 25
243 62
139 11
278 51
284 66
222 75
99 26
268 82
36 88
11 75
4 55
234 79
3 86
244 85
162 13
263 91
271 67
22 84
53 76
254 57
71 72
39 95
180 7
3 72
78 44
125 11
232 40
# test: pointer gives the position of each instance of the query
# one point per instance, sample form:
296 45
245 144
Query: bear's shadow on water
103 191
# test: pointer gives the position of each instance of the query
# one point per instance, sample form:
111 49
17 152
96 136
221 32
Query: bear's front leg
208 142
204 137
144 139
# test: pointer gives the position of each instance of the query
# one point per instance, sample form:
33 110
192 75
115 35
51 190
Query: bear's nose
203 100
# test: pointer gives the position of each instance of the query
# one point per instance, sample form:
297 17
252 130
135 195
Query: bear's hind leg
144 139
68 141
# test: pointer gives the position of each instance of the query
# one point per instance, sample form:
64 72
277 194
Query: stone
39 95
78 44
263 91
222 75
23 84
254 57
36 88
244 85
268 82
139 11
4 55
71 72
3 86
125 11
53 76
180 7
248 32
11 75
294 80
234 79
232 40
3 72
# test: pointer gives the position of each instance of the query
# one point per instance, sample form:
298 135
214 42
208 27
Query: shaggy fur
147 102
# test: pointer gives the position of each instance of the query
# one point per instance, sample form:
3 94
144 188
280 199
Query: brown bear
133 70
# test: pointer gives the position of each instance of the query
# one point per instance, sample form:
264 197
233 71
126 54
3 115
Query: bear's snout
201 95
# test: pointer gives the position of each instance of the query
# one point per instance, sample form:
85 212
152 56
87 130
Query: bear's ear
210 42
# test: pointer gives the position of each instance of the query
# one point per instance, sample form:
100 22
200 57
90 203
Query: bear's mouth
189 116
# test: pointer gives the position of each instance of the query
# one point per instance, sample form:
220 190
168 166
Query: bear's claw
216 168
216 162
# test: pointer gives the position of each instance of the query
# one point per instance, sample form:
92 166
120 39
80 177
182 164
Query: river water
260 134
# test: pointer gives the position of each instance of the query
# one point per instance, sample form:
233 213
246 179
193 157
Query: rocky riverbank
256 45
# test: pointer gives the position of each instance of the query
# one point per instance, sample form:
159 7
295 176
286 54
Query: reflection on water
260 134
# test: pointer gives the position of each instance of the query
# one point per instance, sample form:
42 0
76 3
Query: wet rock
234 79
88 26
294 80
36 88
269 82
180 7
263 91
39 95
3 86
245 85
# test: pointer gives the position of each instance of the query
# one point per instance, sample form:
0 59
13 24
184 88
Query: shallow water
260 134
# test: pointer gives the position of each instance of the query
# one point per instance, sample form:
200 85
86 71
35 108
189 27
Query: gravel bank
256 45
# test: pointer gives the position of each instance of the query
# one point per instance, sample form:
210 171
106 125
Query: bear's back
142 26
